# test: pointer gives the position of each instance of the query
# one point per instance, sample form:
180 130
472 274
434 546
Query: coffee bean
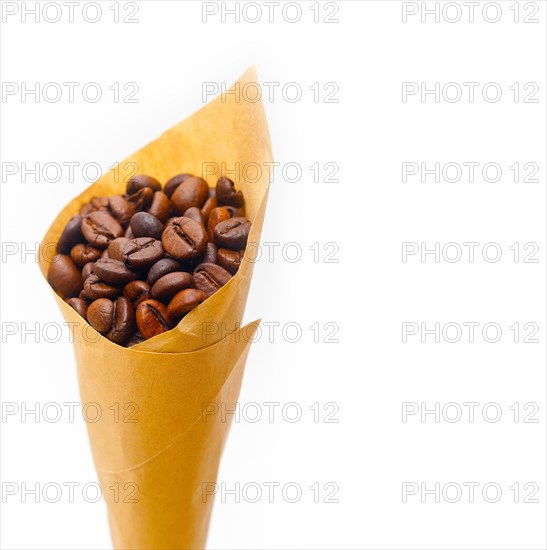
71 235
235 212
104 254
84 253
184 238
160 207
217 215
194 213
113 271
230 259
100 314
226 193
166 287
79 305
95 288
144 224
183 302
174 182
232 233
206 209
210 277
129 233
152 318
116 248
140 181
161 268
142 199
99 228
87 270
123 322
121 209
211 254
136 292
142 252
64 276
191 192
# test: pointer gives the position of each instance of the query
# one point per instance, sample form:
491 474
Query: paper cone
164 458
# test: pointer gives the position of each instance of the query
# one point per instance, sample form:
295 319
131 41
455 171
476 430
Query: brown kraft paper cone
152 471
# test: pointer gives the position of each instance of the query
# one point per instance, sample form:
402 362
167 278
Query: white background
368 293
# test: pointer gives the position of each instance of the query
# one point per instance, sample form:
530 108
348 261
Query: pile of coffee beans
134 265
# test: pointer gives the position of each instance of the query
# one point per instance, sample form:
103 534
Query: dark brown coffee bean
136 292
217 215
121 209
226 193
184 239
142 252
161 268
116 248
183 302
84 253
232 233
230 259
123 321
191 192
142 199
210 277
206 209
87 270
83 296
152 318
95 288
78 305
113 271
100 314
99 228
160 207
64 276
135 339
71 235
166 287
211 254
174 182
140 181
144 224
194 213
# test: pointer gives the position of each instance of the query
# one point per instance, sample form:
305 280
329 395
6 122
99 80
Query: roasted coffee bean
140 181
174 182
129 233
211 254
142 199
116 248
210 277
87 270
161 268
217 215
99 228
235 212
121 209
96 204
86 209
184 238
84 253
95 288
230 259
137 338
71 235
166 287
142 252
160 207
191 192
210 203
152 318
64 276
105 255
226 193
136 292
100 314
232 233
194 213
183 302
78 305
83 296
113 271
144 224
